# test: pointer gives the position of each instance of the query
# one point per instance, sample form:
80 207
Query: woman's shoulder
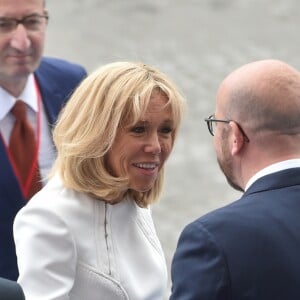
56 199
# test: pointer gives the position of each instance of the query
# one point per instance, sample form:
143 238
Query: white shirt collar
29 96
283 165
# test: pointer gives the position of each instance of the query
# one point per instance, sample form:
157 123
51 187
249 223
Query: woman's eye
166 130
138 129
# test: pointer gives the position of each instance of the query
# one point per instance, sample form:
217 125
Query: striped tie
23 149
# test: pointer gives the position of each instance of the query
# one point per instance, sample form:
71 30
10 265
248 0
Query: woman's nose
153 144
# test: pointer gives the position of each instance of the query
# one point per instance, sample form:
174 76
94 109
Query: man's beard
226 166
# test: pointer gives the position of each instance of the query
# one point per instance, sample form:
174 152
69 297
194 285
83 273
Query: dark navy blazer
56 79
249 249
10 290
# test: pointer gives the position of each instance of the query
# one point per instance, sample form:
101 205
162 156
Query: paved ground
196 42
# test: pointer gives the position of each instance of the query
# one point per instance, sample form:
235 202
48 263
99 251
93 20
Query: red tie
23 149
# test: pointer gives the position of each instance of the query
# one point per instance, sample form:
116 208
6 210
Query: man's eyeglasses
34 22
211 125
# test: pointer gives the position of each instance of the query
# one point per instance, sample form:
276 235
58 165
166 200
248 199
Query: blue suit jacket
10 290
249 249
57 79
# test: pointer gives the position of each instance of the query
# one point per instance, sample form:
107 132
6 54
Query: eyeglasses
211 122
34 22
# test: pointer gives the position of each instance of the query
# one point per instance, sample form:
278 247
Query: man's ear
46 12
237 138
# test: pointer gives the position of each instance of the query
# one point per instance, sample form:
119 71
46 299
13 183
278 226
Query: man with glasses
38 87
250 248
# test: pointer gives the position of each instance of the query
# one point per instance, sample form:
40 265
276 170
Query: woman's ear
237 138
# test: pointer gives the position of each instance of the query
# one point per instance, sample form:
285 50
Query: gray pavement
197 43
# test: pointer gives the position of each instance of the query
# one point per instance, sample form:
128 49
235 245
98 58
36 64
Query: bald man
10 290
249 249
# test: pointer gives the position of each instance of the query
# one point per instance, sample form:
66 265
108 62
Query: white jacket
73 247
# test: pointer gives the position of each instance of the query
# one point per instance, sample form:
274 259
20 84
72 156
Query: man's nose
20 39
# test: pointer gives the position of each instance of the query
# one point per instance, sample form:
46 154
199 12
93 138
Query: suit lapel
9 185
51 94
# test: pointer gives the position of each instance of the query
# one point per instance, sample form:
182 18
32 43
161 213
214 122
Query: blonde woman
88 234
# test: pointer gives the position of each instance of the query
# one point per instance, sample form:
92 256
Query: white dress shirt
31 97
283 165
73 247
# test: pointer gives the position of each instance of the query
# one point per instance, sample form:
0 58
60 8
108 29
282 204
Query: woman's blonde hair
114 96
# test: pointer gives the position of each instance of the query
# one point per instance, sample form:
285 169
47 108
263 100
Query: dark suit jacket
57 79
10 290
249 249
